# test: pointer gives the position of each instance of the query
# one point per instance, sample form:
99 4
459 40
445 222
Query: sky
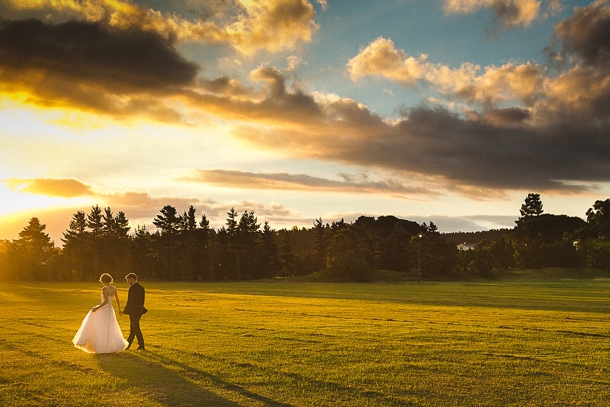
448 111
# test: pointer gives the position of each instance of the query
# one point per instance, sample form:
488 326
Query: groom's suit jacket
135 300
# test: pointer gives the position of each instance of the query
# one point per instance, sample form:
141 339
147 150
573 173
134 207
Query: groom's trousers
134 330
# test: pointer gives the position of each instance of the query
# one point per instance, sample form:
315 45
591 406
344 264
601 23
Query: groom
135 309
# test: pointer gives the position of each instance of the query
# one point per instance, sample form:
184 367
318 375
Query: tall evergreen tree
270 260
188 221
116 242
205 250
145 253
108 223
168 222
287 257
122 225
532 206
248 246
321 244
76 245
95 221
189 257
96 229
29 254
224 258
231 257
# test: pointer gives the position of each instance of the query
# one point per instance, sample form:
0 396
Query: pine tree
532 206
321 244
168 223
270 260
96 226
205 250
30 253
231 263
76 245
145 253
188 259
248 246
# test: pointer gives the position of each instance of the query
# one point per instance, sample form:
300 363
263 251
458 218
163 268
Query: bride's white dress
100 331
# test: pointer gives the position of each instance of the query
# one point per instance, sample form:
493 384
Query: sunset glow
449 111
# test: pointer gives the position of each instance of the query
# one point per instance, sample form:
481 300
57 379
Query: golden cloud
494 86
63 187
510 82
248 26
273 25
381 58
580 94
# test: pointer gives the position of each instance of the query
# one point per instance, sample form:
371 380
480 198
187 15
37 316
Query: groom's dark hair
131 275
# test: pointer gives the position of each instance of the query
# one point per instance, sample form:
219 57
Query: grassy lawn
313 344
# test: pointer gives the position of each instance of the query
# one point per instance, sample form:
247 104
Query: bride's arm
118 302
103 302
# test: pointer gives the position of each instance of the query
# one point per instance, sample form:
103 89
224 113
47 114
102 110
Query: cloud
507 117
63 187
523 125
141 208
302 182
499 150
509 13
533 147
91 67
323 3
587 34
582 91
224 86
487 86
272 25
381 58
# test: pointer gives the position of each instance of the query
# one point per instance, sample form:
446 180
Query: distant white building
466 246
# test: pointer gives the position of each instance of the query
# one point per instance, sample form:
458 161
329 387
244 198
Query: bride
100 332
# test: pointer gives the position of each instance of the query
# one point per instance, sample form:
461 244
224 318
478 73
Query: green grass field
536 343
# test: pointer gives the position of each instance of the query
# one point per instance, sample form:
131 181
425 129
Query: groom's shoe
128 346
141 348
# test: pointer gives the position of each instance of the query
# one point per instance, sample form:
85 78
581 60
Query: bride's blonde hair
106 278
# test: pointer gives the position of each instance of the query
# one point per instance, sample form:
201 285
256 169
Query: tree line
184 247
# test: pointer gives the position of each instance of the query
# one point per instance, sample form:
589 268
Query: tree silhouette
598 218
270 262
30 253
346 259
96 225
168 223
184 249
532 206
321 244
76 245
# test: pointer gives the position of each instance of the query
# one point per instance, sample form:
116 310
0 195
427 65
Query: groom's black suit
135 309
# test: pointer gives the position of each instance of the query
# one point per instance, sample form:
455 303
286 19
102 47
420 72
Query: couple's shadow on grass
172 383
